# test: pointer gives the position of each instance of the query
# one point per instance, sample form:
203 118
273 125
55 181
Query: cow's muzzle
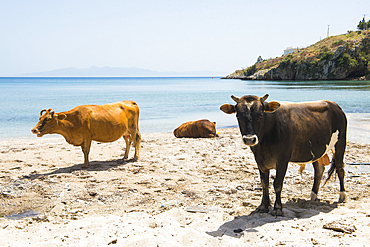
36 132
250 140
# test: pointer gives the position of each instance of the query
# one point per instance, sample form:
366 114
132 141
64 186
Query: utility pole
328 30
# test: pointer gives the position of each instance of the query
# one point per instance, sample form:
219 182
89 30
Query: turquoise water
167 102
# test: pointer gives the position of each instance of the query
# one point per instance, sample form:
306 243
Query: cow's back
311 127
109 122
196 129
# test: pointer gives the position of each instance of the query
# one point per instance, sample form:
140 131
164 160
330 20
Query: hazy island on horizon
117 72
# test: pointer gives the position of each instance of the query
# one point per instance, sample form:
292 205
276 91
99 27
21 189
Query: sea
167 102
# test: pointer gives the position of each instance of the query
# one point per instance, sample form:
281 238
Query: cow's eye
46 120
260 117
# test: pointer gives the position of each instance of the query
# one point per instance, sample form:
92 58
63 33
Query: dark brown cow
281 132
86 123
195 129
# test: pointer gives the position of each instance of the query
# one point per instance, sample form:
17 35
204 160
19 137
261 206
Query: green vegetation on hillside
344 56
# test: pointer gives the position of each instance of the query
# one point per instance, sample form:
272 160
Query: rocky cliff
342 57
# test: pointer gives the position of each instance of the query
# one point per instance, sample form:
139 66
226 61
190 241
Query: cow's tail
301 168
138 137
330 171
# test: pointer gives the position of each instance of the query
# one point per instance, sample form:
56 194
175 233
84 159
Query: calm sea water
167 102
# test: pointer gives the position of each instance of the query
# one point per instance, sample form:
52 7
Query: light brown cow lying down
86 123
196 129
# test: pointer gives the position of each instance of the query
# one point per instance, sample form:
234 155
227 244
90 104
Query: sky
163 35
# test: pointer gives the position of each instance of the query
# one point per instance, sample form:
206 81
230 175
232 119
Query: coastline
122 203
358 130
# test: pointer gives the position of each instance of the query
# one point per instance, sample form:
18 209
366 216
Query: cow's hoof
342 197
85 166
314 196
262 209
277 212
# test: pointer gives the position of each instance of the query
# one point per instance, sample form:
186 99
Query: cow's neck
268 129
269 123
64 128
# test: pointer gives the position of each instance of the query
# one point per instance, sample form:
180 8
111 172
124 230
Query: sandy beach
181 192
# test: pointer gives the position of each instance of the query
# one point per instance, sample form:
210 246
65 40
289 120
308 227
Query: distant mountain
117 72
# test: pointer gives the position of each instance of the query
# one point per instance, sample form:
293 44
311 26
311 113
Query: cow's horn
42 112
236 99
51 113
264 98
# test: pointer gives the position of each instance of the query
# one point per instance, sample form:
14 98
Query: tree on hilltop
363 25
259 59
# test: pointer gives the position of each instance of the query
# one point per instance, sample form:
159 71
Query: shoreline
122 203
55 139
356 128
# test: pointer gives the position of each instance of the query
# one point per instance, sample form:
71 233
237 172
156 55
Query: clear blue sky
172 35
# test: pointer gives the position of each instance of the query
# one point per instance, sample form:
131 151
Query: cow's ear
271 106
228 109
61 116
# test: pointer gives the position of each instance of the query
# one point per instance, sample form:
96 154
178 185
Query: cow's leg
319 170
128 141
86 150
137 143
278 186
265 203
339 166
342 193
340 148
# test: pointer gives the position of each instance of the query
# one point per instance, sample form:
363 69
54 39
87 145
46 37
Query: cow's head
250 111
47 122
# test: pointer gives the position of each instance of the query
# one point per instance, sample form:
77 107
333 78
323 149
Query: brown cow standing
283 132
195 129
86 123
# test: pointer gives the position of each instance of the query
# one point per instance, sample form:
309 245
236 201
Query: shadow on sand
94 166
293 209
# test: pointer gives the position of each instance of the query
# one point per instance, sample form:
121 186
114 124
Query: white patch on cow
249 104
333 141
331 146
313 196
250 137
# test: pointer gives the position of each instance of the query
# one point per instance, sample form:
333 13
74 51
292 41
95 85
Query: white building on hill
291 49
